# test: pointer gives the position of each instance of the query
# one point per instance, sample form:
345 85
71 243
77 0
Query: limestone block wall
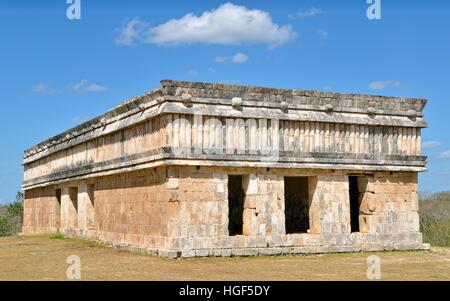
86 207
183 211
391 203
202 225
69 208
203 202
134 209
41 211
330 207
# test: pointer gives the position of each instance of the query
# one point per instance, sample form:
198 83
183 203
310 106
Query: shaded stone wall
41 211
128 209
134 209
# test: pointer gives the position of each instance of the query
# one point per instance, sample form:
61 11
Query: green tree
19 197
11 221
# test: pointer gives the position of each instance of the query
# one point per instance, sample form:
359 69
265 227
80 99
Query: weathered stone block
202 253
244 252
270 251
187 253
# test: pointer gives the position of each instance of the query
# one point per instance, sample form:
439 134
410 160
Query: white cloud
131 31
192 72
221 59
431 144
322 32
85 86
383 84
95 88
43 88
312 12
229 24
238 58
444 155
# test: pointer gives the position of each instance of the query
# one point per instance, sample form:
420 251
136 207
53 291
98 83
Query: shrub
12 218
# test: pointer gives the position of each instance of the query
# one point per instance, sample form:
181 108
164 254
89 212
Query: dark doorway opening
58 208
354 203
236 198
296 198
58 196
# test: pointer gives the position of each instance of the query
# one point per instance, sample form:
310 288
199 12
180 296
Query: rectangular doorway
296 198
90 207
58 208
73 208
354 203
236 198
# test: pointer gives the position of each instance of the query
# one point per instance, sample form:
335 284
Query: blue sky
56 72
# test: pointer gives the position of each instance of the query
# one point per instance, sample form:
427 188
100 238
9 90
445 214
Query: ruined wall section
41 211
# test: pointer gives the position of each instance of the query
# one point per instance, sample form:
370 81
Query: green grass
57 235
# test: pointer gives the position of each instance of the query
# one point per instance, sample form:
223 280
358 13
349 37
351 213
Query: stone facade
196 169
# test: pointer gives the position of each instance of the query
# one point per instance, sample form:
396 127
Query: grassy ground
44 258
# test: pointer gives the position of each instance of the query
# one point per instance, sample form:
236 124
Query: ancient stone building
198 169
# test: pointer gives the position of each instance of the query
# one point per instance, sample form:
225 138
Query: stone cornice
122 111
313 100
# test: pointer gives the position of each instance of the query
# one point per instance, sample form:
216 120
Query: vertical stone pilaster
168 129
329 209
172 175
250 223
86 207
69 208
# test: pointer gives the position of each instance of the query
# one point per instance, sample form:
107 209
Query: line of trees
11 217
